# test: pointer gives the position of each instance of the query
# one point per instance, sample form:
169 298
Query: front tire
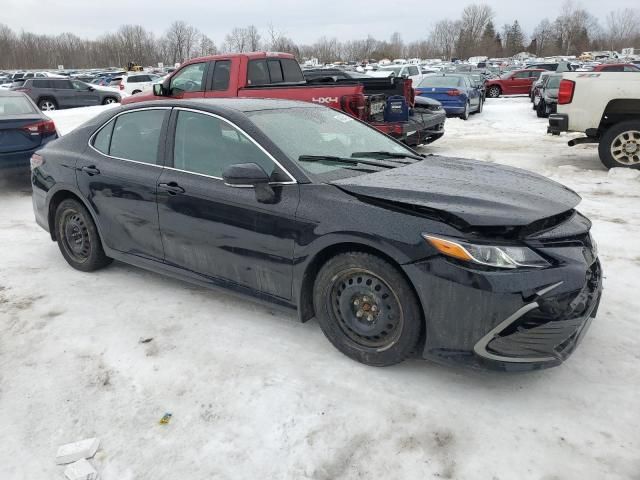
620 145
494 92
367 309
78 237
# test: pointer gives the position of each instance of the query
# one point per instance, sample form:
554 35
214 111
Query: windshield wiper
345 160
386 155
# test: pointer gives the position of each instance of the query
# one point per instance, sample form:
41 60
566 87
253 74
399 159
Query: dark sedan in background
301 206
23 130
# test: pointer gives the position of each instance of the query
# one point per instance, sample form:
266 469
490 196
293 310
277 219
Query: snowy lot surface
256 395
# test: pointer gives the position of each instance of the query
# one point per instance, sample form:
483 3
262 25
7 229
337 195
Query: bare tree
473 23
623 27
444 37
207 47
181 38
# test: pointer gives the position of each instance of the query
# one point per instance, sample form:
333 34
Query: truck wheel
367 309
495 92
620 145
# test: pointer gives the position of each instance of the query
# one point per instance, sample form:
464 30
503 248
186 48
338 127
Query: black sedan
307 208
23 130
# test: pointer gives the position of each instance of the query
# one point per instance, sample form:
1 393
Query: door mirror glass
158 91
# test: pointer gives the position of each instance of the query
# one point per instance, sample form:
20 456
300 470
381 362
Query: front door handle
90 170
172 188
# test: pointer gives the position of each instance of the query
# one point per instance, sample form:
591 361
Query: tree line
573 31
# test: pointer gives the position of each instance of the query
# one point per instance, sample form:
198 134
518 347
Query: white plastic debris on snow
72 452
81 470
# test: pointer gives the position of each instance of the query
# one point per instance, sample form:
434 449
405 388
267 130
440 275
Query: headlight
501 256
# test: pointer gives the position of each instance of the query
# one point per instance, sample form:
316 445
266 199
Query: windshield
439 81
322 132
15 106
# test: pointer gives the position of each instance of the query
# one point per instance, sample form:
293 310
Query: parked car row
54 93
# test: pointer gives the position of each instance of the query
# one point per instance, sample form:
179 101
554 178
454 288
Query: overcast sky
303 21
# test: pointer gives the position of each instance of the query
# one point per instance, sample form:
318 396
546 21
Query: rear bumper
421 128
558 122
16 160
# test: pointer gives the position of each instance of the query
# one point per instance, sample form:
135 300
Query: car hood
479 193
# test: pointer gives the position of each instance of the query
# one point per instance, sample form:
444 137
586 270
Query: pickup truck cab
403 71
278 75
517 82
605 106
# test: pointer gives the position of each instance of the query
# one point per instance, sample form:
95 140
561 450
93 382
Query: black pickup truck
426 117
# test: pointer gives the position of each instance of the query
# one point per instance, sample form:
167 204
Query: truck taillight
45 127
454 93
354 105
36 161
565 91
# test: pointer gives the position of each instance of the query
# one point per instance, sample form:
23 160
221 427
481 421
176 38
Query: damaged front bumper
422 128
509 320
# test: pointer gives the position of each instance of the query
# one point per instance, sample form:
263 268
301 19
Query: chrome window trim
292 180
112 119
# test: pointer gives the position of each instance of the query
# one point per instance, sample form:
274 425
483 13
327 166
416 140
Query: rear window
15 106
37 83
291 70
265 72
441 82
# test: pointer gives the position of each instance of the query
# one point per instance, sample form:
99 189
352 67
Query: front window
207 145
190 78
317 131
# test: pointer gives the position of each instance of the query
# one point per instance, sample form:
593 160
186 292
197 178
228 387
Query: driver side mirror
250 175
158 90
90 88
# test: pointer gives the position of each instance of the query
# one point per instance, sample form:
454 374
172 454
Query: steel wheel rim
625 148
367 310
75 236
47 106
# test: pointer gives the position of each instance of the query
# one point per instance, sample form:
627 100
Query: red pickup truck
517 82
278 75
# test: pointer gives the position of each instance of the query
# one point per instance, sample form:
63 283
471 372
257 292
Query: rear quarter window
291 70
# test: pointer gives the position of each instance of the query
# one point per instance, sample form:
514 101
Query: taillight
454 93
45 127
354 105
121 86
36 161
409 93
565 91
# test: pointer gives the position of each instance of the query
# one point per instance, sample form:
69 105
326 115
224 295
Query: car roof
243 105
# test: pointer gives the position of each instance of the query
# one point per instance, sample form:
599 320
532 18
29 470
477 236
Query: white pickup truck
606 108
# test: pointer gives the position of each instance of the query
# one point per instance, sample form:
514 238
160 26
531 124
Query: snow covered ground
256 395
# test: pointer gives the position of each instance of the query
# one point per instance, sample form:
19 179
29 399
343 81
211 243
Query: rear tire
367 309
47 104
465 115
620 145
78 237
109 101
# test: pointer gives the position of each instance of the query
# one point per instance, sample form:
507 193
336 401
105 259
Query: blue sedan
458 95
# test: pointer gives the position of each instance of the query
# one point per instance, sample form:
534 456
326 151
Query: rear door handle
91 170
172 188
